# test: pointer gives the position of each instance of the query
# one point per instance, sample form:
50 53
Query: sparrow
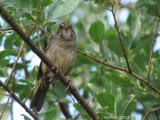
62 52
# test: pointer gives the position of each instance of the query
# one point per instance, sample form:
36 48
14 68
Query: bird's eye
60 27
70 26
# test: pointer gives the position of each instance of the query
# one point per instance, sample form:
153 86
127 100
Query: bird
62 52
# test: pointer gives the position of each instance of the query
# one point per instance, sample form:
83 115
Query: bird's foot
58 70
70 83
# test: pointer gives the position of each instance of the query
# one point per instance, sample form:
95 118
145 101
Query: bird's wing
39 74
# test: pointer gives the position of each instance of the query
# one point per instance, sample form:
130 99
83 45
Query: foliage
110 92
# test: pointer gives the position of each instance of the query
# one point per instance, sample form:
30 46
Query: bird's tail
39 96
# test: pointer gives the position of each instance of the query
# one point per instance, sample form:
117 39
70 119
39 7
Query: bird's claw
70 83
58 70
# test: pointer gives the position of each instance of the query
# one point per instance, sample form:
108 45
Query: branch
4 94
150 58
11 106
152 110
13 68
149 110
31 92
6 105
17 99
75 118
45 59
102 62
6 29
145 81
23 44
64 108
140 100
119 37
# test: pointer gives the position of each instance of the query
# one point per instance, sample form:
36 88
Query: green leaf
59 89
50 114
96 31
60 119
78 107
23 4
26 81
52 23
106 99
1 73
12 39
47 2
14 52
142 51
100 1
4 62
112 41
126 105
28 16
34 71
92 89
85 116
36 4
119 80
23 90
151 7
64 7
25 117
18 65
4 53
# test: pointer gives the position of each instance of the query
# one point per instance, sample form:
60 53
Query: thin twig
39 36
146 115
75 118
4 94
140 101
145 81
150 58
102 5
142 104
13 68
6 105
119 37
152 110
12 28
31 92
102 62
2 33
64 108
6 29
11 108
50 65
45 31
